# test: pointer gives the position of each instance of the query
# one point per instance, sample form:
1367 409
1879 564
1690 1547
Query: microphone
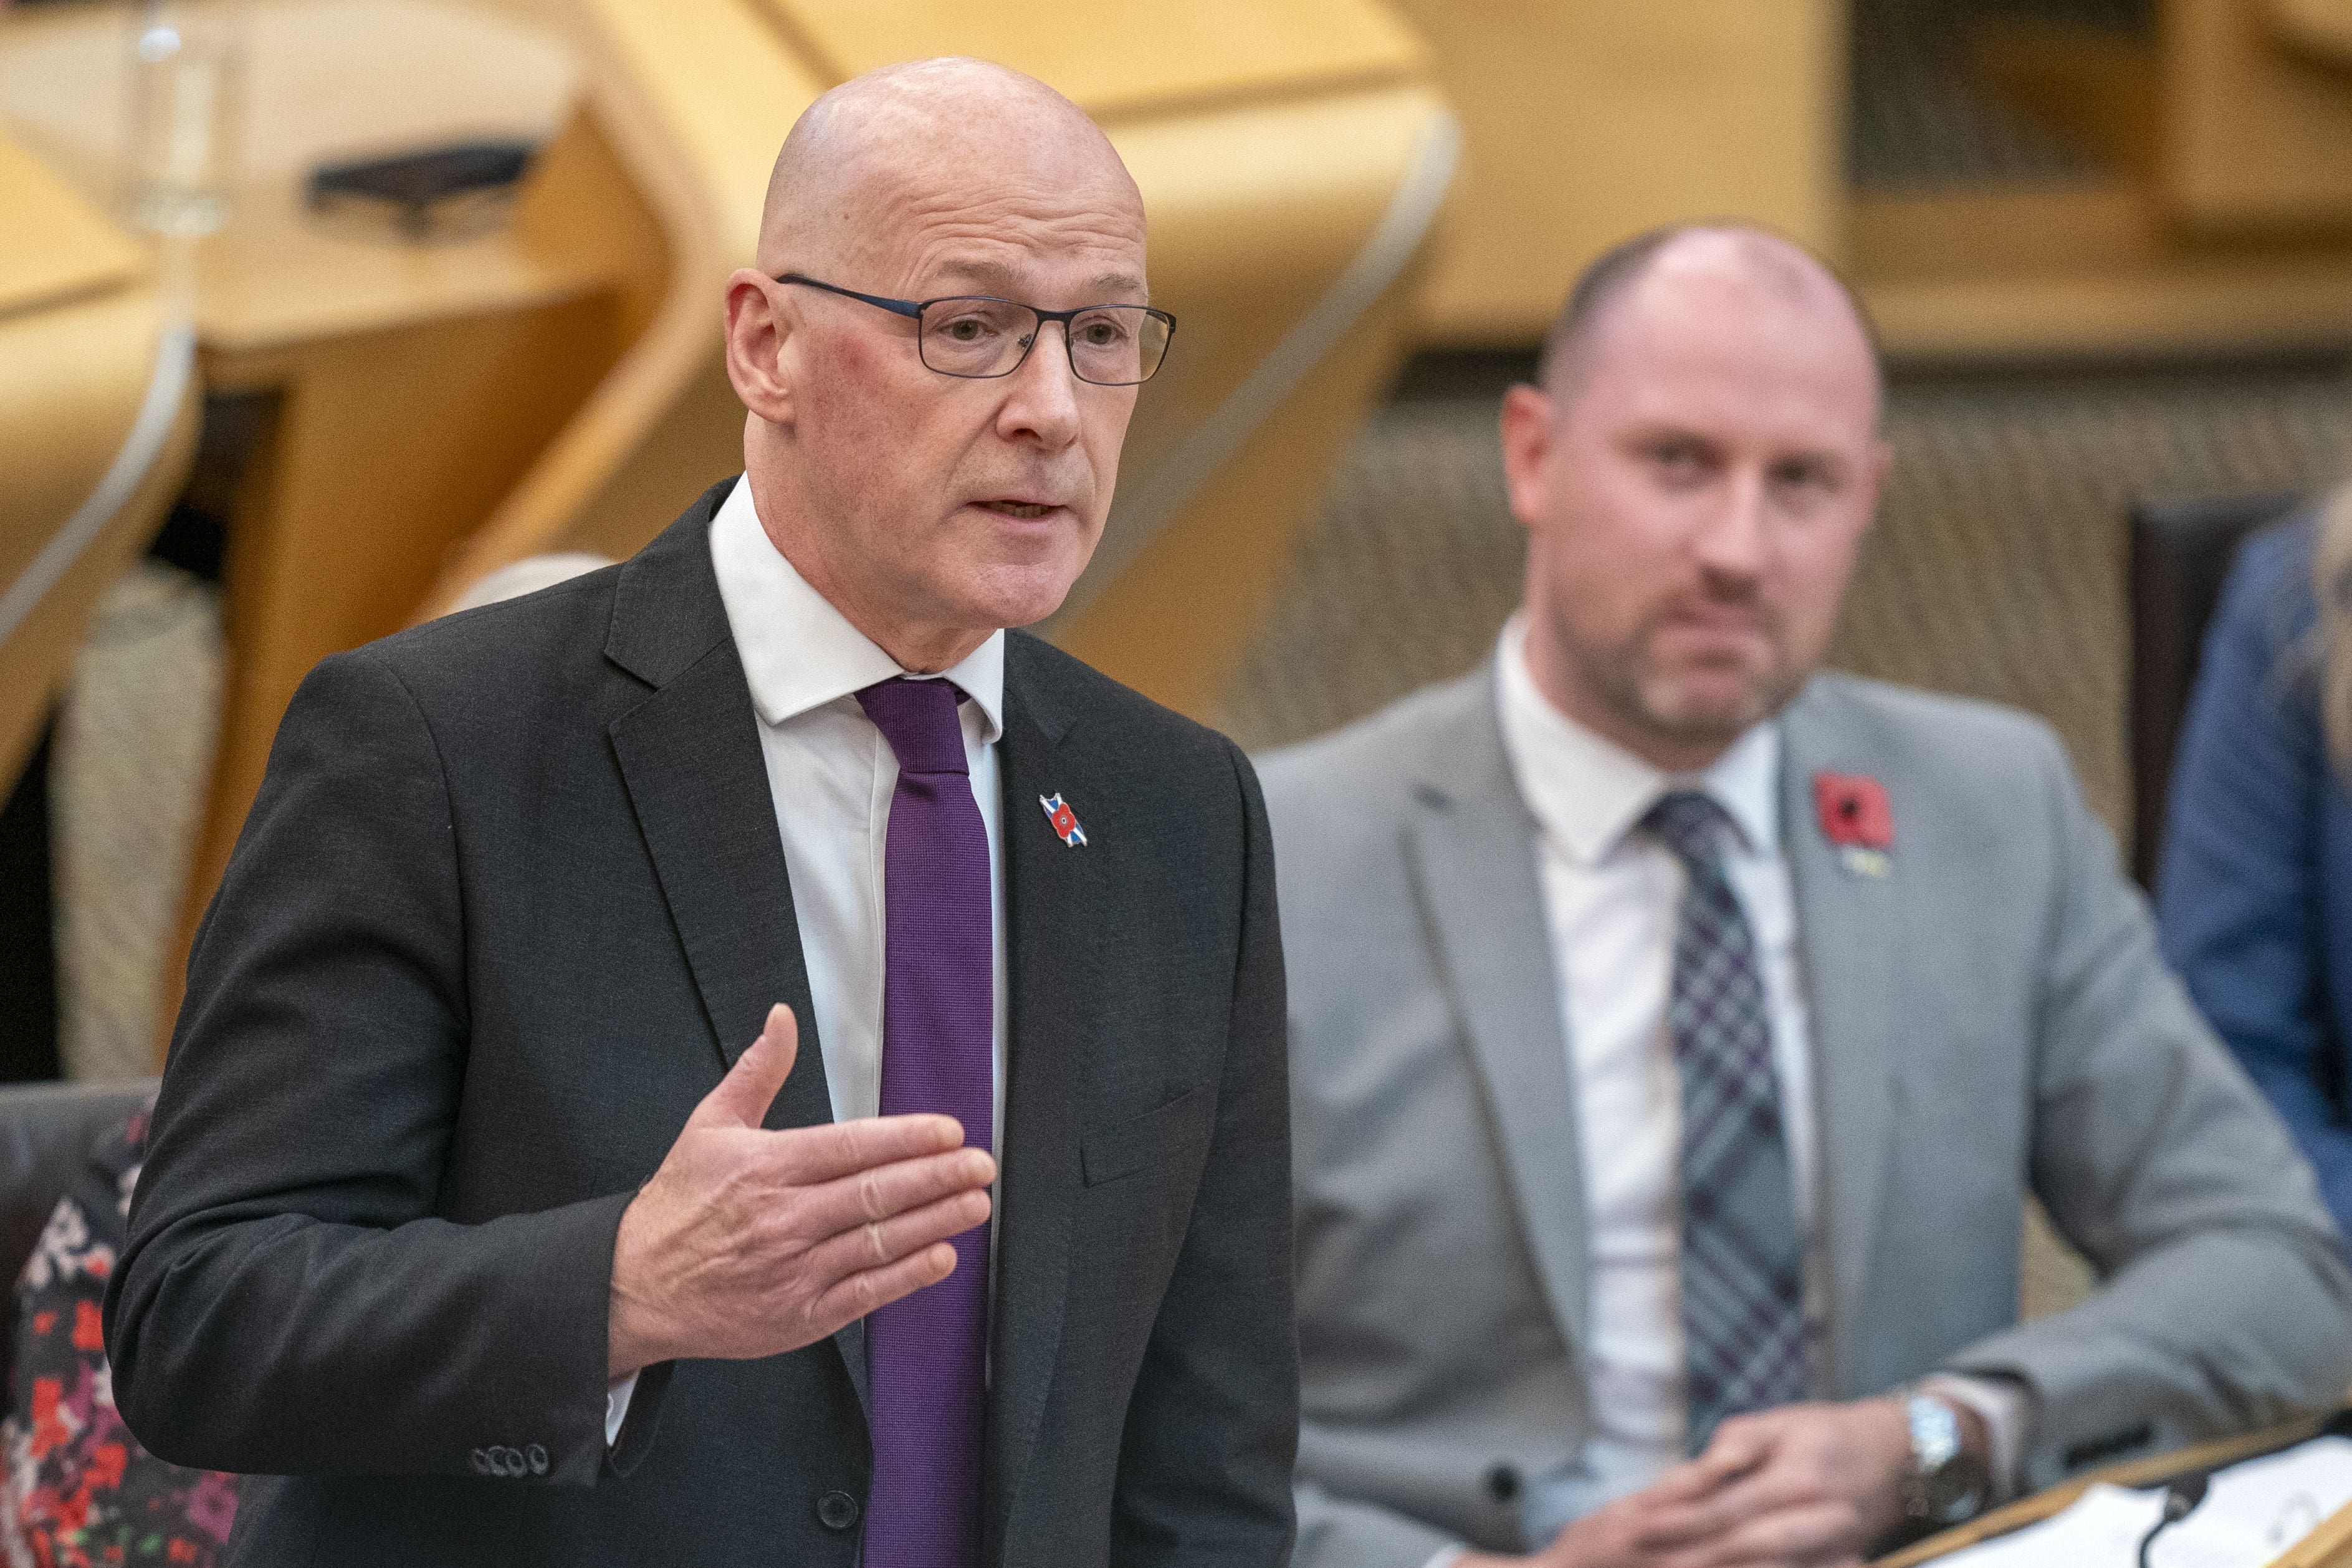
2180 1501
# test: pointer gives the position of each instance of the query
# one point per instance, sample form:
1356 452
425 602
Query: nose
1041 402
1730 539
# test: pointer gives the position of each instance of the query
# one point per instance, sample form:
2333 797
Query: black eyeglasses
979 336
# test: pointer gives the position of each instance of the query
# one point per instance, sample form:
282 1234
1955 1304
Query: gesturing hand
748 1242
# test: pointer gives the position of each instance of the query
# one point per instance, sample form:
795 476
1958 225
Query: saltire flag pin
1064 820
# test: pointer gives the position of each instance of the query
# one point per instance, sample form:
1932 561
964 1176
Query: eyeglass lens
1112 345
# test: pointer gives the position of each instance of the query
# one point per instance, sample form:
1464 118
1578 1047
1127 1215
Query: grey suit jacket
1990 1017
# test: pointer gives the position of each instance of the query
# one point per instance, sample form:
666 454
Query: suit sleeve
2238 900
1211 1429
1336 1532
288 1301
2224 1303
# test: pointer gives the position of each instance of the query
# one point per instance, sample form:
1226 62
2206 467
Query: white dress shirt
831 775
1612 900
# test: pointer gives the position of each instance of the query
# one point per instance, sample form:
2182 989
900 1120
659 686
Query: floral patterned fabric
80 1492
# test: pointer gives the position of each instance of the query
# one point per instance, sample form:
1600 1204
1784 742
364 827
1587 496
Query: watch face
1947 1483
1954 1488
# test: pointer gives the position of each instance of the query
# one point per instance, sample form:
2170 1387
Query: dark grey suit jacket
511 899
1987 1017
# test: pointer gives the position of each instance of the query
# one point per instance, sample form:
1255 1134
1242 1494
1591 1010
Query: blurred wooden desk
412 382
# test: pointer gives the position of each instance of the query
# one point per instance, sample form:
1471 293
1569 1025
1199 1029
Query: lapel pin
1858 820
1064 820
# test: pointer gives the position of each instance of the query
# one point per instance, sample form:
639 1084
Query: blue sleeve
2238 890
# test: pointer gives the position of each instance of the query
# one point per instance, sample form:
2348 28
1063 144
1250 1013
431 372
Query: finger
1739 1444
872 1244
1811 1532
881 1191
806 1156
859 1294
1725 1507
744 1096
1691 1480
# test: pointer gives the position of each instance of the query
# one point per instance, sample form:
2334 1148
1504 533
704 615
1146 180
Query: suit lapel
690 757
1472 845
1051 908
1849 926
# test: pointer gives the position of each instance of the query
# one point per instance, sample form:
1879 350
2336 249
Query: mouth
1020 509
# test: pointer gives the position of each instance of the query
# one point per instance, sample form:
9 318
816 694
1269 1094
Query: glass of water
187 86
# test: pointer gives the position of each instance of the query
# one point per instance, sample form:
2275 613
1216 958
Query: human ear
759 324
1527 419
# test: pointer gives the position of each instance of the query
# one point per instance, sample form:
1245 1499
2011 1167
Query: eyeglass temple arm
907 308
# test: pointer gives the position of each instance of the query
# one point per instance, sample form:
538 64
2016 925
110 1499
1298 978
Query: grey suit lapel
1051 913
1849 930
690 757
1471 844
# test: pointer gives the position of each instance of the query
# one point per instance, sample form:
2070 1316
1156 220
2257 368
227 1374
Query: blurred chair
1292 156
97 420
2180 553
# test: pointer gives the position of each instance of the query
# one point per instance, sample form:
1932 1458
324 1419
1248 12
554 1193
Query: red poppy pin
1858 819
1064 821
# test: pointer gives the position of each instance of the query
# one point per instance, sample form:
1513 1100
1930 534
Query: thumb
744 1096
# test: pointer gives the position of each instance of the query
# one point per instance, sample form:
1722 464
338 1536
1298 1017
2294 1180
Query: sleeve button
480 1460
537 1457
837 1511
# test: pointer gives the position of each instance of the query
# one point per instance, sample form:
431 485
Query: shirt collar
1586 793
798 652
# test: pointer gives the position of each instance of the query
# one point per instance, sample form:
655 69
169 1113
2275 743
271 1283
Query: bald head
933 496
912 138
1671 264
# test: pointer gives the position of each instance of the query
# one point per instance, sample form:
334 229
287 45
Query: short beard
1625 681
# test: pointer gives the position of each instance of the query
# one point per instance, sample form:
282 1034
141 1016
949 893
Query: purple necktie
925 1352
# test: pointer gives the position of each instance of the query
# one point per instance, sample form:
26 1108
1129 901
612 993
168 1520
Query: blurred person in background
1677 1029
2254 891
581 1141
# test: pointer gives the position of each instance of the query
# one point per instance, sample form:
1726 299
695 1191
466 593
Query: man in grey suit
1676 1031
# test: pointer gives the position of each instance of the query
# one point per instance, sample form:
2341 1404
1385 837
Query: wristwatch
1946 1483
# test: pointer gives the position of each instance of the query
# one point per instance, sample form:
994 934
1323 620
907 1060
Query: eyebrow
996 275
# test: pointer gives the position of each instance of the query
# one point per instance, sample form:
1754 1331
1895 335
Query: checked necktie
1742 1255
926 1353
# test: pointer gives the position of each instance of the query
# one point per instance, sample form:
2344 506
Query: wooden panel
2097 86
1587 121
2083 271
72 379
2255 136
1120 60
58 246
389 449
2320 28
70 383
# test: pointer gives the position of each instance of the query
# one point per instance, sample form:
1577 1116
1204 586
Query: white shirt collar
798 652
1587 792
